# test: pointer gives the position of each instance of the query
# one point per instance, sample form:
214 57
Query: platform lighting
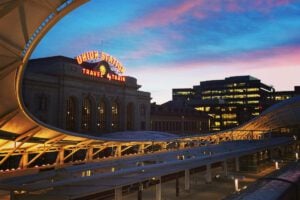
276 165
236 185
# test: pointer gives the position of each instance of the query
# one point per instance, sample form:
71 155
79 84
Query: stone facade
57 93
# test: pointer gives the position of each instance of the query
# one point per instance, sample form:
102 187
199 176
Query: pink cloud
279 67
167 16
148 48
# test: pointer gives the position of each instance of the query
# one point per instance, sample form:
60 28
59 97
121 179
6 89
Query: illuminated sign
103 70
96 55
99 74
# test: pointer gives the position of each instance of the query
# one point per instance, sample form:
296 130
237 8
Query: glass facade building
231 101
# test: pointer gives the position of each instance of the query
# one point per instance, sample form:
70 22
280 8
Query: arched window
71 114
130 116
101 116
115 116
86 115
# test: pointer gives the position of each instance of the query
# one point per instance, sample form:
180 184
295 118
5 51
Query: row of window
102 113
241 90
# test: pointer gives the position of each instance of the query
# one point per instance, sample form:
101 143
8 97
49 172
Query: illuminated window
70 114
206 92
253 102
115 116
130 116
253 95
207 109
252 89
217 124
228 116
230 123
281 98
86 115
255 113
200 108
101 116
206 97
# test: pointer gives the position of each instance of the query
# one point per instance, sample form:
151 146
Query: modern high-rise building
231 101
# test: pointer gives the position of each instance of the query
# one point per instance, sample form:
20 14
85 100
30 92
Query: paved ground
218 189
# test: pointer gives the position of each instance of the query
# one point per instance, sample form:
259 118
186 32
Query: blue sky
178 43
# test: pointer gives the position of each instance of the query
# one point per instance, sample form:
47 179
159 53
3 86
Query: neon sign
101 71
96 55
99 74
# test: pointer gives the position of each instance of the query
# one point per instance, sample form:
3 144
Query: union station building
87 97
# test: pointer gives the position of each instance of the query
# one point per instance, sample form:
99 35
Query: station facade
86 97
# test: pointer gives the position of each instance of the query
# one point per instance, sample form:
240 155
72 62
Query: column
158 190
78 115
12 195
123 116
142 148
118 193
118 152
208 173
177 186
164 146
237 164
140 192
187 183
225 168
60 157
89 154
108 116
24 160
181 145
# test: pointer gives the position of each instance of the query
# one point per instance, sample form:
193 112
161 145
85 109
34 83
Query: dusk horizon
178 44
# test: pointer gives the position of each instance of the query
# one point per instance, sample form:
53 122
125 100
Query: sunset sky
169 44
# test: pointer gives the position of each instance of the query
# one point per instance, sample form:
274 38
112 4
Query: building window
130 116
42 102
101 116
86 115
143 125
71 113
115 116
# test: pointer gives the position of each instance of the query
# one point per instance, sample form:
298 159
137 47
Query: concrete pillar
237 164
158 190
12 195
118 193
24 160
181 145
118 152
187 183
225 168
208 173
140 192
60 157
177 186
89 154
142 148
271 153
164 146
